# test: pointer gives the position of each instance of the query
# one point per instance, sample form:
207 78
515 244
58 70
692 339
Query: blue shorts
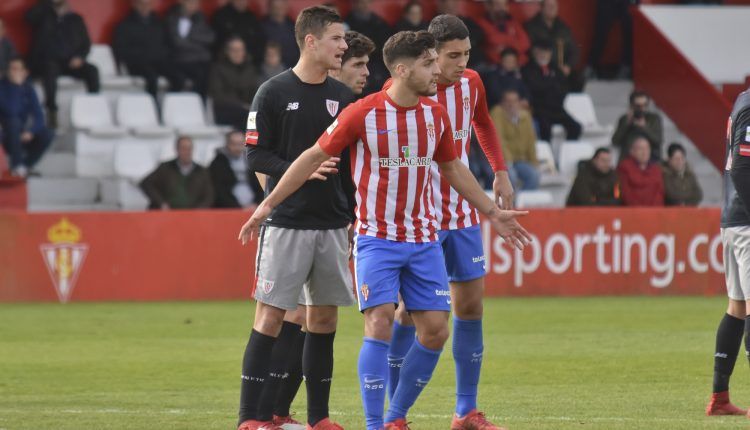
383 268
464 253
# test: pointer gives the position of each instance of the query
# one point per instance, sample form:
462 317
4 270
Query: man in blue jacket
24 135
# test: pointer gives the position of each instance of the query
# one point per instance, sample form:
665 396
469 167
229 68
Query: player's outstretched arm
503 221
309 165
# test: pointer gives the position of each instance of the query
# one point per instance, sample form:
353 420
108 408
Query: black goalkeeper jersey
286 118
736 207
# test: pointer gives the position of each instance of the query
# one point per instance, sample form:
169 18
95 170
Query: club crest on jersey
64 256
431 130
266 285
365 291
466 103
332 106
405 150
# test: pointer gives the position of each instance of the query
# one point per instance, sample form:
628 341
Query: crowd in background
528 69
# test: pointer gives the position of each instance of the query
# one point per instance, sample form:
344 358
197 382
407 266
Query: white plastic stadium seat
185 113
134 160
95 135
101 56
138 113
581 108
571 152
534 199
545 157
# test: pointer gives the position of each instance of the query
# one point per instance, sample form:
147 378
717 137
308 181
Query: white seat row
100 136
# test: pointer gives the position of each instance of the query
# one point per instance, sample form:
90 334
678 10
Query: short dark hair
15 59
314 20
183 137
358 45
407 44
600 151
674 147
543 43
636 94
508 51
446 28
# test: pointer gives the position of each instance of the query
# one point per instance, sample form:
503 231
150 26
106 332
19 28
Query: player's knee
322 322
269 323
378 325
434 337
468 310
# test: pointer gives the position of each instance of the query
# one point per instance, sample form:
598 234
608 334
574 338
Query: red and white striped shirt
392 149
466 103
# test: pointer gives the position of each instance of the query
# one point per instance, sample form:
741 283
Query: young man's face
603 162
423 74
452 59
354 73
330 48
17 73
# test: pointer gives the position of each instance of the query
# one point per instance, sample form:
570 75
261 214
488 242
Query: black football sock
277 370
290 385
254 372
317 366
728 341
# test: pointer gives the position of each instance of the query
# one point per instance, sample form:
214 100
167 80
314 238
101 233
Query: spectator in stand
502 31
547 25
191 39
180 183
681 187
140 43
279 28
234 19
596 182
363 20
476 35
516 130
24 135
607 13
272 64
232 83
7 50
506 76
641 182
413 18
59 46
547 85
234 185
639 121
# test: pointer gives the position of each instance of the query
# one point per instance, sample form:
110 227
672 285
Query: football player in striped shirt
462 93
394 136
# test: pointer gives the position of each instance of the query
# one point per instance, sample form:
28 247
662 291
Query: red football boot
288 423
325 424
474 420
258 425
720 405
398 424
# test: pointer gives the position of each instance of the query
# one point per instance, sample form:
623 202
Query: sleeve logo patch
251 137
251 120
745 150
333 126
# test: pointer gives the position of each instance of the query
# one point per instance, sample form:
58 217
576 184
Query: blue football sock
467 353
418 366
401 342
373 378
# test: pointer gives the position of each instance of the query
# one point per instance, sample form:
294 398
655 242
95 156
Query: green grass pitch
589 363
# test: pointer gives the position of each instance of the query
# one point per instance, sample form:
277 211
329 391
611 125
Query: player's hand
503 190
252 224
329 167
507 226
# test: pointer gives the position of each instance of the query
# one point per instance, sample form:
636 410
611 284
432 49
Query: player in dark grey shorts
735 235
304 240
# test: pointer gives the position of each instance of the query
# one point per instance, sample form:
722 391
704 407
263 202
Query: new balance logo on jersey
385 130
292 106
460 134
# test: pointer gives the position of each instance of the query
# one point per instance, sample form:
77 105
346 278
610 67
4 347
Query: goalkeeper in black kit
735 236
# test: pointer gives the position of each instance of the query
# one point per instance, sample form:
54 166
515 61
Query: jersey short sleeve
445 150
260 120
343 132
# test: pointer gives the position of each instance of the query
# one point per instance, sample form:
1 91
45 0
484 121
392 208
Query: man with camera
639 121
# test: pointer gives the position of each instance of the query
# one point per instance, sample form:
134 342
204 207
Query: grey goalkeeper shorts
736 241
307 267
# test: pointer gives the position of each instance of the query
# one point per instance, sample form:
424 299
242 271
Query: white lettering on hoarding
614 252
